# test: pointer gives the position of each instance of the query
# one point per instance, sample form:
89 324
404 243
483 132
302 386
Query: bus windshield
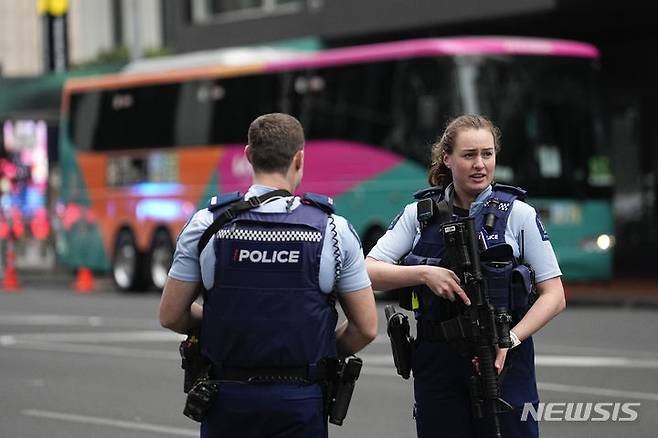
546 109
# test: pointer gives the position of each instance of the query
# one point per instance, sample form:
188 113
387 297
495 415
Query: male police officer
270 273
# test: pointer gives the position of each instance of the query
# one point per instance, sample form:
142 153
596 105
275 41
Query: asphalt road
99 365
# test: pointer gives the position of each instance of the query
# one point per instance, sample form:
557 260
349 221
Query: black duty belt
308 374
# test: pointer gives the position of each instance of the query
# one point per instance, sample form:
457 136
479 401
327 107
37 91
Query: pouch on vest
408 297
523 290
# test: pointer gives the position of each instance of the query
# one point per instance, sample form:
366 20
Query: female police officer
463 161
268 320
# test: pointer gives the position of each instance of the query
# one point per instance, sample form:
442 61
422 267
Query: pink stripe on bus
331 167
438 47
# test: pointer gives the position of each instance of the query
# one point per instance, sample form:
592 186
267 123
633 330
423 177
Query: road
99 365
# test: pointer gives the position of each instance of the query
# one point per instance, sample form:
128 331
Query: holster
192 362
401 341
341 387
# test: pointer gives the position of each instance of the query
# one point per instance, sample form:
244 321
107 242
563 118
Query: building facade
94 27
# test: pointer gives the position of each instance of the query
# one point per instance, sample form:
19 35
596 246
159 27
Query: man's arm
360 329
178 311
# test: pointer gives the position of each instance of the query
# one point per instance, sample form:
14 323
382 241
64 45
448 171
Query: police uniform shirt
404 232
353 275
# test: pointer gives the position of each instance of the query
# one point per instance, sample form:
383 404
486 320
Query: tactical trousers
442 406
266 411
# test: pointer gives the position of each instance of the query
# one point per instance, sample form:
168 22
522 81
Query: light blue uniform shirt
353 276
538 251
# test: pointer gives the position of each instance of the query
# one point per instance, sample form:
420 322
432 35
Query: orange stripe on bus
134 80
114 207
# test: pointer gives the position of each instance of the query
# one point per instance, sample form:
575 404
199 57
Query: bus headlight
603 242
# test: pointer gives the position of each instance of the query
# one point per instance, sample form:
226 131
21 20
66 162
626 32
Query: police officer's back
272 266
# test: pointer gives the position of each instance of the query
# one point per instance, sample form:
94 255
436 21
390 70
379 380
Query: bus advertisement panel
140 152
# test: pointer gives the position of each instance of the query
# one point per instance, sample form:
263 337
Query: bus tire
160 258
128 264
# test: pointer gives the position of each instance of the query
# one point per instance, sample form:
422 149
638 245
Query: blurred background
120 118
577 121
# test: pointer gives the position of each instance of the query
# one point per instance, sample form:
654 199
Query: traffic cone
84 283
10 282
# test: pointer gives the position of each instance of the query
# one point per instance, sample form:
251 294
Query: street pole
136 49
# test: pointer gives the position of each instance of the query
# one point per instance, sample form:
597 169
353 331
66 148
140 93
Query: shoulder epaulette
516 191
428 192
224 199
322 202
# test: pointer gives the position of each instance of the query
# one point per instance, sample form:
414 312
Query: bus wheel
127 270
162 252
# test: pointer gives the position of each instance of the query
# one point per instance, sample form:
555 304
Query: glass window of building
206 10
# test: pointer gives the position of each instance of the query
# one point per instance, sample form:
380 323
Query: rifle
486 327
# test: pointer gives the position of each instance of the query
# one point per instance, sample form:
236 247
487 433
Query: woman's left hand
501 354
499 362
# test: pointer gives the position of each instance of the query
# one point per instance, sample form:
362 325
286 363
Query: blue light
156 189
159 209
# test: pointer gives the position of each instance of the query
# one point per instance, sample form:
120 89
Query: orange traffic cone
84 283
10 282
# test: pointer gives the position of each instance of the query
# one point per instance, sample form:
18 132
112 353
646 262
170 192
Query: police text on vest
256 256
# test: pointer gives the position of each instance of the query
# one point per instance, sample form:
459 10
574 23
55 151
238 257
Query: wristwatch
515 339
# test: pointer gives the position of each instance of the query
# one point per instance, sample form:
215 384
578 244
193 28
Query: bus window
425 101
84 118
242 100
347 103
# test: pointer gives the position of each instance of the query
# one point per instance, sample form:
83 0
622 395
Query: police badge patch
396 219
353 231
542 229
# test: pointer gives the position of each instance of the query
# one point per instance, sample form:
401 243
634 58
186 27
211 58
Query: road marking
595 361
96 337
83 419
555 348
37 320
379 371
551 361
79 343
589 390
139 353
546 386
75 320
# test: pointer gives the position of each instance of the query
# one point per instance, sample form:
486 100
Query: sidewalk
626 292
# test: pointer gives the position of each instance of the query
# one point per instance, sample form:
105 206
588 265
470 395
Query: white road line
551 361
595 362
96 337
589 390
379 371
80 343
38 320
139 353
75 320
546 386
542 348
83 419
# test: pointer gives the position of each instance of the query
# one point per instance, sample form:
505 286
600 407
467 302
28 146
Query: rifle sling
235 209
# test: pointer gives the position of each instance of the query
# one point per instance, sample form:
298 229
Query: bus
141 151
